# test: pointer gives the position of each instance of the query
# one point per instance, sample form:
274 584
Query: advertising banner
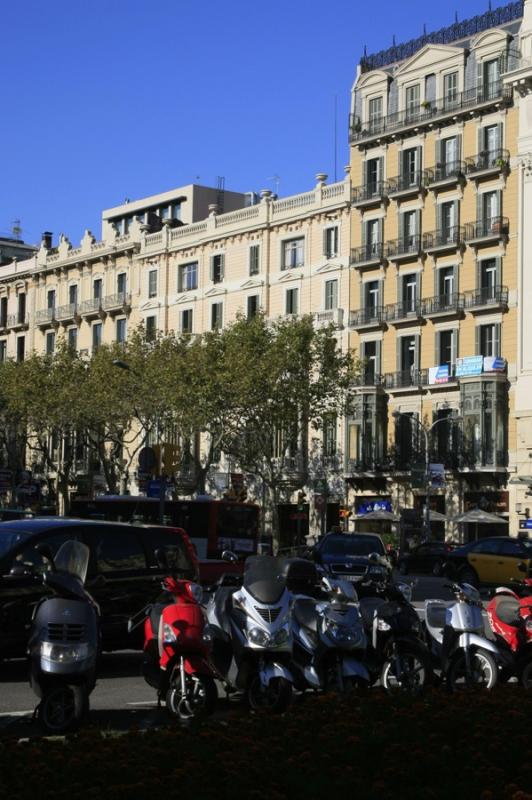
470 365
439 374
494 364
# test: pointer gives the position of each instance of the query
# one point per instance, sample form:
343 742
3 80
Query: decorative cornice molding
525 161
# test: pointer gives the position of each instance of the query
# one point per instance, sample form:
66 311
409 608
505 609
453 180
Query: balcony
372 317
46 317
405 185
404 379
486 231
68 313
404 312
92 308
443 305
404 248
444 240
333 316
369 255
488 163
368 379
117 303
442 377
487 298
369 195
291 470
443 175
17 321
367 465
427 113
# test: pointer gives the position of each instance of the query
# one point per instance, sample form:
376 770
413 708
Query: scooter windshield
73 558
264 579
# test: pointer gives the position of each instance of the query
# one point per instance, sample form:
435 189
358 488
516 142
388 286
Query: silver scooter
456 639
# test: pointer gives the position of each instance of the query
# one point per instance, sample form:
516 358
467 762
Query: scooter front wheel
408 670
62 708
199 698
274 697
525 676
482 674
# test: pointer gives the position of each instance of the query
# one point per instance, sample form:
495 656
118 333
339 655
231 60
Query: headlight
258 637
65 653
383 626
282 636
169 634
342 634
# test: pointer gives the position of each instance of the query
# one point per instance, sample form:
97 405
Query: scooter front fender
468 640
274 670
196 665
351 668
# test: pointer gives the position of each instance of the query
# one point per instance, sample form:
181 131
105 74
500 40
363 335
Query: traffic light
301 499
345 513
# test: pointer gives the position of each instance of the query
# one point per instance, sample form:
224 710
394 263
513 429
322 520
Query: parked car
428 557
123 573
346 554
493 560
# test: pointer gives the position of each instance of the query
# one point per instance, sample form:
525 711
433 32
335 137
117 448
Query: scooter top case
64 637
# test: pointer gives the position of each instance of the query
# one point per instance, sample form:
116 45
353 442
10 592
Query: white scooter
455 636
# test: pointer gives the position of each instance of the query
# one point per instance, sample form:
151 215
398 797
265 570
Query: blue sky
109 99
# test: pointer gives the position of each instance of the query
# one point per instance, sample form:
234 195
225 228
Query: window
371 296
50 299
21 317
117 551
410 231
330 437
3 350
446 348
216 316
188 277
293 253
489 340
373 238
96 335
491 547
152 283
72 338
73 295
121 283
408 353
20 348
512 547
186 321
450 89
405 438
331 295
3 312
217 268
449 151
409 292
252 305
484 407
151 328
411 165
292 301
50 343
412 101
370 358
490 206
374 170
446 283
97 289
489 278
491 72
254 259
448 221
331 242
121 330
374 113
491 138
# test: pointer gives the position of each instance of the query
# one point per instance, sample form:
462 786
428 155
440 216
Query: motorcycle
176 653
455 634
64 641
396 653
329 637
251 634
510 617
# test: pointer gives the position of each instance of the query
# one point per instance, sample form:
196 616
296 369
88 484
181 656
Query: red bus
212 525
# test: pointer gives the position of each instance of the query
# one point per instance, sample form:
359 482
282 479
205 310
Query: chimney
47 239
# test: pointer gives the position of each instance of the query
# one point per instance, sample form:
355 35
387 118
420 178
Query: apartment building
435 291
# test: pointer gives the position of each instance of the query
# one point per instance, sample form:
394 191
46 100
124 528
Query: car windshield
264 578
10 538
352 545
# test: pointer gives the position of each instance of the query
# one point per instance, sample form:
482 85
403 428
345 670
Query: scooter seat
305 614
368 607
507 610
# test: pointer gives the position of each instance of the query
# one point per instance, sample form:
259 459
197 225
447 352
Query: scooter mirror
228 555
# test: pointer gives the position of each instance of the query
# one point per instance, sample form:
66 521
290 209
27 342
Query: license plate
352 578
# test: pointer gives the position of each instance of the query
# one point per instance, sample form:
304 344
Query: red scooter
510 617
176 656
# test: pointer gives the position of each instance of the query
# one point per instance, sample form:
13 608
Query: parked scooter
176 655
251 634
64 641
510 617
455 633
396 653
329 637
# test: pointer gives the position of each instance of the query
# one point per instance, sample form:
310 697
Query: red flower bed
474 746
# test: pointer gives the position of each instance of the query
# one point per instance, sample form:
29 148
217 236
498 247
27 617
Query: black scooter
64 641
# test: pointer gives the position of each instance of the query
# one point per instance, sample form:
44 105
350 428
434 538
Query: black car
428 557
123 574
346 555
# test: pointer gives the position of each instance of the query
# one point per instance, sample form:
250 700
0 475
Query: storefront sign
439 374
494 364
366 506
492 502
437 475
525 524
470 365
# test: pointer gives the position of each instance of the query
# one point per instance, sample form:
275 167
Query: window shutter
439 217
418 352
500 133
497 339
325 253
398 353
439 151
366 173
418 222
477 340
381 230
437 349
480 139
381 169
480 81
418 289
499 203
454 355
419 159
498 272
222 266
459 147
479 207
401 159
364 232
212 267
378 349
381 293
457 212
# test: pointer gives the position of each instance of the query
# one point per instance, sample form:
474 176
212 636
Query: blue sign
154 489
470 365
373 505
439 374
494 364
525 524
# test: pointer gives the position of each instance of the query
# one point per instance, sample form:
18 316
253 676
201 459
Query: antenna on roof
16 230
456 17
393 40
424 29
365 51
277 179
489 5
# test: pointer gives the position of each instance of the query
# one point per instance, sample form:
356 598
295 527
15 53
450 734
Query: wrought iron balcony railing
374 315
372 252
368 378
488 228
46 316
488 161
443 239
69 311
370 193
17 320
445 173
404 310
403 379
116 301
486 296
404 246
92 306
452 303
428 111
409 182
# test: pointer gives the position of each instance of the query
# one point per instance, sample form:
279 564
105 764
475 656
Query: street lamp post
426 430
